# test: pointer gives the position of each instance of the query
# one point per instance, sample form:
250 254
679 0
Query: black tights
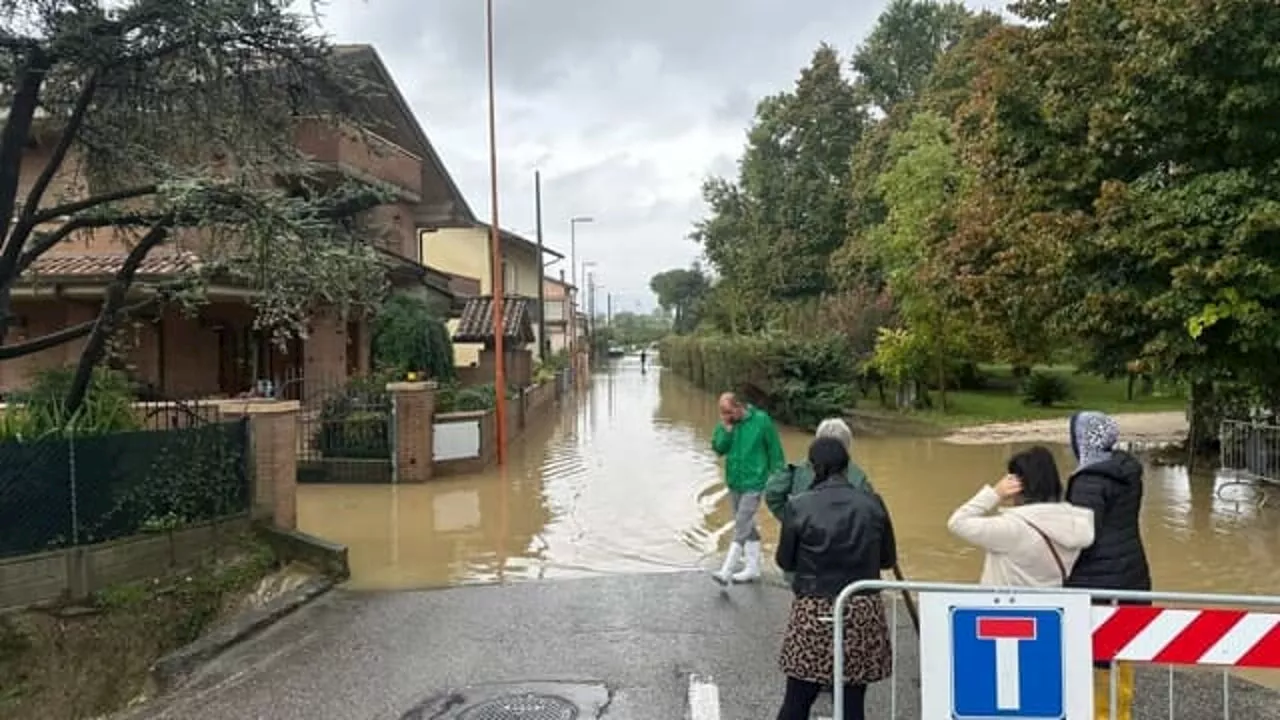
801 694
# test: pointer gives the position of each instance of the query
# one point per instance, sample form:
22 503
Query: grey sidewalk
363 656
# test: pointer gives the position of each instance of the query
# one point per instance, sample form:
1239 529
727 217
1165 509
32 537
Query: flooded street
625 482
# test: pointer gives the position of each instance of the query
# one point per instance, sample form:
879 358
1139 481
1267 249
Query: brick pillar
415 409
273 462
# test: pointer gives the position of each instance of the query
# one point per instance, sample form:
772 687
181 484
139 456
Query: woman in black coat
1108 482
832 535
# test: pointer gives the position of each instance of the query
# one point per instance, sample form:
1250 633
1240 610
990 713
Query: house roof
409 132
511 237
476 323
103 266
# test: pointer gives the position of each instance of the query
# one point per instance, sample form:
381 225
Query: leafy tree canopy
170 126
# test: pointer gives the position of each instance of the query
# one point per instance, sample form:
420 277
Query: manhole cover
528 706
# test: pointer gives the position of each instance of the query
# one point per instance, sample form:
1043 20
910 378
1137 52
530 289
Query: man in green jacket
748 440
796 478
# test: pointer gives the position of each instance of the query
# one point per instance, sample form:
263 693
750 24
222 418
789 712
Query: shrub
800 380
1045 389
41 411
409 337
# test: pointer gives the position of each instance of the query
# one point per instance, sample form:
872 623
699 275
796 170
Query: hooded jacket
1107 482
1017 555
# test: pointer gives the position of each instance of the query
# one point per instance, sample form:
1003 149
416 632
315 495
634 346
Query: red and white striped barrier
1169 636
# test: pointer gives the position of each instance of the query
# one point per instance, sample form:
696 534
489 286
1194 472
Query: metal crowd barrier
1216 630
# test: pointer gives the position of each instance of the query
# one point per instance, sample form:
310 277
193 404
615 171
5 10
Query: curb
172 669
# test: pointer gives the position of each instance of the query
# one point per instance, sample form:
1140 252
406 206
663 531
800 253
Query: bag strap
1062 568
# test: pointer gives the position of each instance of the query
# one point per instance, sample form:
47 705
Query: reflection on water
625 481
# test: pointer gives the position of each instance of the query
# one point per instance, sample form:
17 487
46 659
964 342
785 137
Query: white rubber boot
752 570
725 575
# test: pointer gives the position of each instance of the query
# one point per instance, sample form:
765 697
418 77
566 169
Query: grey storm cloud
624 106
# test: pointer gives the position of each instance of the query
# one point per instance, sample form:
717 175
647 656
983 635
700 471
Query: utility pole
542 280
608 310
495 244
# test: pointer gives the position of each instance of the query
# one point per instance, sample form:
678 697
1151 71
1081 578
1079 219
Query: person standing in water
644 355
748 441
1108 482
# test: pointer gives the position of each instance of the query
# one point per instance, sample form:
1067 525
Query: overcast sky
624 105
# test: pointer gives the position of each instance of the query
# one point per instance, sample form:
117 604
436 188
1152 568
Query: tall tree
895 62
1153 138
681 291
774 229
921 190
170 125
913 60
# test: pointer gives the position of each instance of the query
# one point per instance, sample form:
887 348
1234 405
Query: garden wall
77 572
466 442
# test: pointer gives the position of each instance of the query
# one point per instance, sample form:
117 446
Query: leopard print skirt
806 645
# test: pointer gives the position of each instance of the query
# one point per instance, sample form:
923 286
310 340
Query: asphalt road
628 645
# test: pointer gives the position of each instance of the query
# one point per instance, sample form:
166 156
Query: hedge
800 381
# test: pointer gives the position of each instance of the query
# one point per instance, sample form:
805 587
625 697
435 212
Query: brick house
216 352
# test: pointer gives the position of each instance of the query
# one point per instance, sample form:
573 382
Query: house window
509 279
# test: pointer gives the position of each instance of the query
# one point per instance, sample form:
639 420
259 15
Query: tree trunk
942 381
13 143
1206 416
96 346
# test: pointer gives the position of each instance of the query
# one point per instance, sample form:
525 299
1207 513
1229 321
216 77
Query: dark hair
1039 474
829 458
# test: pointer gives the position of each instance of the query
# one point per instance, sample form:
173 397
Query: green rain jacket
752 451
796 478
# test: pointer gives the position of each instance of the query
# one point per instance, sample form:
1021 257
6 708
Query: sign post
988 656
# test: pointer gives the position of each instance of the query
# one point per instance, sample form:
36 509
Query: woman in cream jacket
1036 539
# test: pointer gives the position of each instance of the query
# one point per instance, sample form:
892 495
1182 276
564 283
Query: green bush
798 380
409 337
1045 389
41 411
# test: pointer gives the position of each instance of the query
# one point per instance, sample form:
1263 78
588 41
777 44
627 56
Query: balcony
362 154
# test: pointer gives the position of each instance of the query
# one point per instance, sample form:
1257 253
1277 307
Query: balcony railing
362 153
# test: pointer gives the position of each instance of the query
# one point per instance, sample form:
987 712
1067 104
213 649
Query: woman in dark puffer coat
1108 482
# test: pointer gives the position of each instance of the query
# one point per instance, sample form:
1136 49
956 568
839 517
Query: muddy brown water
623 480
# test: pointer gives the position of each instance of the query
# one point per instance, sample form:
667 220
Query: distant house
217 352
561 313
463 250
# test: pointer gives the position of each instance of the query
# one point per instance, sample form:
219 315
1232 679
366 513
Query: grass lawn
1004 403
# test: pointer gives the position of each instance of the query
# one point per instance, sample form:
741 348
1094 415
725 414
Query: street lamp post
573 263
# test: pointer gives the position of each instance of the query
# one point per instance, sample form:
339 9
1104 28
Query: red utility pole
495 244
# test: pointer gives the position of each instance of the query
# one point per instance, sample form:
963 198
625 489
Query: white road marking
704 698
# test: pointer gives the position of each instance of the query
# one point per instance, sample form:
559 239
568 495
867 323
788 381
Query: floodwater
624 481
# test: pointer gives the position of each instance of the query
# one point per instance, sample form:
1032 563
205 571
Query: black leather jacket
833 535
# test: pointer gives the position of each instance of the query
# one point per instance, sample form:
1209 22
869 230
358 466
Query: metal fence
68 490
1185 695
1250 450
346 433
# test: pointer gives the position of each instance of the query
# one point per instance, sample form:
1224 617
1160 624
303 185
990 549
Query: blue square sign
1007 663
